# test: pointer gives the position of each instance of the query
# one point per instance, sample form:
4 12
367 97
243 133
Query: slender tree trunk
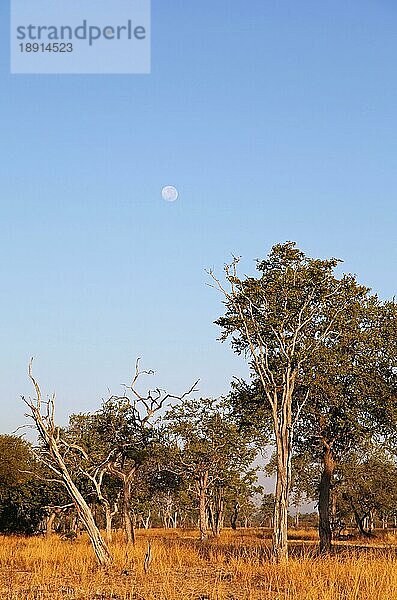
128 525
324 525
202 485
234 516
284 431
109 514
280 518
146 521
109 517
216 512
49 523
360 520
371 521
126 478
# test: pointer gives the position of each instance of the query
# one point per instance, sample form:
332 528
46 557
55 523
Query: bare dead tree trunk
324 525
50 436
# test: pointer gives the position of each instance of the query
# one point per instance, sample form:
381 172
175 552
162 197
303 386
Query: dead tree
43 414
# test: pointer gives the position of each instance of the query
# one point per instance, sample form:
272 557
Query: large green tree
281 321
352 394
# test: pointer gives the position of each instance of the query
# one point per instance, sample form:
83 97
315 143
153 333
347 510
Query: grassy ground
235 567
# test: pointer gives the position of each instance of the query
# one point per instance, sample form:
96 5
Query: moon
169 193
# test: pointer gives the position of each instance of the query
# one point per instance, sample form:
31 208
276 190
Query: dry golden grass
235 567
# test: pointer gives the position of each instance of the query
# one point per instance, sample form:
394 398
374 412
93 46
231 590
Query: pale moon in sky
169 193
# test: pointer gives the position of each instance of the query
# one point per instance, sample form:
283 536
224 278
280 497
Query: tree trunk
360 520
234 516
371 521
202 486
324 525
280 518
146 521
126 478
49 523
216 511
128 525
109 517
109 514
284 431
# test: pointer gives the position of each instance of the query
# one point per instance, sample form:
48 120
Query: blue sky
276 120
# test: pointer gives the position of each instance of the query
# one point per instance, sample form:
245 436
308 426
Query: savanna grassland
234 567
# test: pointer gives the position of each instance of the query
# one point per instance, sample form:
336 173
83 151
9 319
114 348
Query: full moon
169 193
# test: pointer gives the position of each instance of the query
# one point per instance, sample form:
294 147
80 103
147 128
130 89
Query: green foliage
287 311
16 461
22 495
367 486
207 440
